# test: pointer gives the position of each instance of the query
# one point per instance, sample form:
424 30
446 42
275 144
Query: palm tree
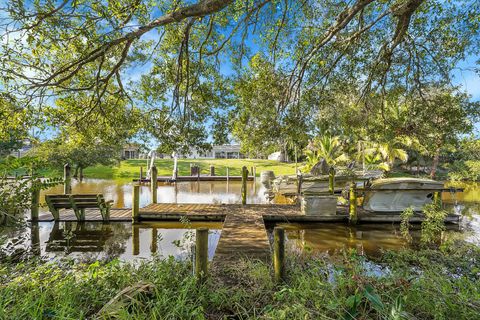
389 152
330 149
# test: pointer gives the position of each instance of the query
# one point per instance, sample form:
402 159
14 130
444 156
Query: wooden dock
194 178
243 233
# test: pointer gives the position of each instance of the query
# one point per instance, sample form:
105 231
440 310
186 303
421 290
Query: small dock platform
195 178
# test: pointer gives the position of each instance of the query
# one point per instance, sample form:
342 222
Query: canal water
94 241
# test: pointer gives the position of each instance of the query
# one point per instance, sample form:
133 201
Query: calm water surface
127 242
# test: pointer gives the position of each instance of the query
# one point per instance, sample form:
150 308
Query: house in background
131 151
26 146
224 151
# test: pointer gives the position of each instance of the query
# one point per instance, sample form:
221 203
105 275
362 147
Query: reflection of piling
201 254
331 180
353 203
244 184
135 240
279 254
35 200
154 246
135 203
35 239
67 179
154 183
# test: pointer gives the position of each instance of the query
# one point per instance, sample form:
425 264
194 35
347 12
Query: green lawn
131 168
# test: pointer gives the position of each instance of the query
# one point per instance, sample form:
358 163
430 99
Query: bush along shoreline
421 284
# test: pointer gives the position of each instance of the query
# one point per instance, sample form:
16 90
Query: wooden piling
244 184
254 175
141 174
437 198
67 179
228 175
153 183
35 200
212 171
279 254
135 203
331 180
201 254
299 184
353 203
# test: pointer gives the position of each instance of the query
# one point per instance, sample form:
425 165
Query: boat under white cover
399 195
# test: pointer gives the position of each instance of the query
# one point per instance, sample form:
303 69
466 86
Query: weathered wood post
353 203
254 174
331 180
198 173
135 203
279 254
228 175
141 175
437 198
244 184
135 240
299 184
35 200
67 179
154 183
201 254
154 245
212 170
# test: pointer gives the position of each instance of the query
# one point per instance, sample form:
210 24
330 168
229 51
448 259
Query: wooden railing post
331 180
154 183
279 254
201 254
135 203
353 203
67 179
244 184
35 200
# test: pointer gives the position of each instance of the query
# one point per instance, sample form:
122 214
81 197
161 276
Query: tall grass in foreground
425 284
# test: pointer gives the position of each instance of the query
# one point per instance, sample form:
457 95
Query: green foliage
434 223
424 284
405 223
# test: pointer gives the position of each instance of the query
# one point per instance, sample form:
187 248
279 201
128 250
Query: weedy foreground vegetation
410 284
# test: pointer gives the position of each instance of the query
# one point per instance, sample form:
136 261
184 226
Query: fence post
154 183
201 254
135 203
35 200
244 184
331 180
279 254
67 179
353 203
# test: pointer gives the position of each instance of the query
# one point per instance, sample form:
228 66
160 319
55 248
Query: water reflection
94 240
368 239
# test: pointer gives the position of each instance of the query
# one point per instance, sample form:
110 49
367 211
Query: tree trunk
436 159
75 175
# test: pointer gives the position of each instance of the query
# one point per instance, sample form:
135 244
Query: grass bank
131 168
425 284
